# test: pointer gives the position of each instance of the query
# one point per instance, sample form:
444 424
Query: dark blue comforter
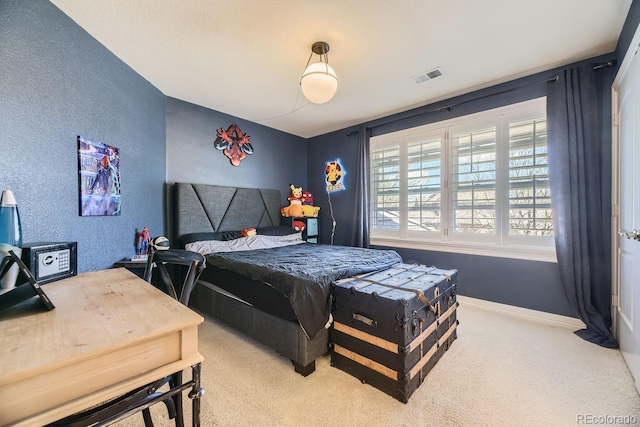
304 273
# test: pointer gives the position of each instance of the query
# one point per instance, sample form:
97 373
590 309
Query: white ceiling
245 57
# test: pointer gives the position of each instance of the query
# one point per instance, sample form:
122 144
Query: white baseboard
524 313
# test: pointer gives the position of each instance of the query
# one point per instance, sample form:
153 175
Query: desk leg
196 393
176 381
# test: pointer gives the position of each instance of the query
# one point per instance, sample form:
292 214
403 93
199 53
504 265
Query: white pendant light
319 82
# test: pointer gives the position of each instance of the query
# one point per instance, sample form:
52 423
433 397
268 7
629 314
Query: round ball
160 243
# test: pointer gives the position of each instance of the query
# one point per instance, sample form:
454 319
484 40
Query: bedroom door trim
625 296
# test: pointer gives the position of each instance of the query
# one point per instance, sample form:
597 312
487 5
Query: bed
278 294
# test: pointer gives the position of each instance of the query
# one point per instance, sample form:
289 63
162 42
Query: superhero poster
99 178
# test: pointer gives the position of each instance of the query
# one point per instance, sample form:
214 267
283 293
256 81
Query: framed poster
99 178
334 176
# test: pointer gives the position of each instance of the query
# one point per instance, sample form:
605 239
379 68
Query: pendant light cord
333 220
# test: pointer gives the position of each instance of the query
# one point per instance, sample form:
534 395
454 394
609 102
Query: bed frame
202 208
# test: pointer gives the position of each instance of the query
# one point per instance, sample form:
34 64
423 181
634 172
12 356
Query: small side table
127 263
136 267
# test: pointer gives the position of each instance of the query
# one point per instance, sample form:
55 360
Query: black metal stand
196 393
22 292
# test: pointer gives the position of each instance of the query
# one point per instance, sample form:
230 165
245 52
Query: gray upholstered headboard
207 208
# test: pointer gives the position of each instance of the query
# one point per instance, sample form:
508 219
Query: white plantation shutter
473 181
424 169
385 188
529 191
478 180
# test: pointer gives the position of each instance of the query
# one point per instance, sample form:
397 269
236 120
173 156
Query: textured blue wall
57 82
279 158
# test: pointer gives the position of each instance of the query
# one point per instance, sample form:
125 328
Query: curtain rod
551 79
604 64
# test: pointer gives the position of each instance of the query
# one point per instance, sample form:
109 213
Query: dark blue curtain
575 129
360 234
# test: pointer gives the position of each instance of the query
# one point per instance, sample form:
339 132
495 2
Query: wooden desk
110 333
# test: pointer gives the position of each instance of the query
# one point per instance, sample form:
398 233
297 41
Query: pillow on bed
245 244
276 230
198 237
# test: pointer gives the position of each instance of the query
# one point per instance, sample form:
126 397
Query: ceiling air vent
428 75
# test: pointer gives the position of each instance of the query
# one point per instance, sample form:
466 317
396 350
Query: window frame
501 243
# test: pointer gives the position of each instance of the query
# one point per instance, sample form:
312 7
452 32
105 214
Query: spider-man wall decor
234 143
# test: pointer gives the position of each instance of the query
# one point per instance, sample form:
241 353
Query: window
474 184
473 180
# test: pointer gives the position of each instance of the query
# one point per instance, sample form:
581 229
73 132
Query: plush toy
307 198
310 211
298 225
296 194
249 232
295 203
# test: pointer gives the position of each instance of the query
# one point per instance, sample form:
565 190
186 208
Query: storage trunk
391 327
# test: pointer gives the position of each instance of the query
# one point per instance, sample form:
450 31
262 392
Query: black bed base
284 336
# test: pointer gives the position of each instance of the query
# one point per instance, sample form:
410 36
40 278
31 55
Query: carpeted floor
501 371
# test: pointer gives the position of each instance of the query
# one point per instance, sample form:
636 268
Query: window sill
529 253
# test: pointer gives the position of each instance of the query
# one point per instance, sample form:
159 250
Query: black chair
113 409
143 396
194 262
